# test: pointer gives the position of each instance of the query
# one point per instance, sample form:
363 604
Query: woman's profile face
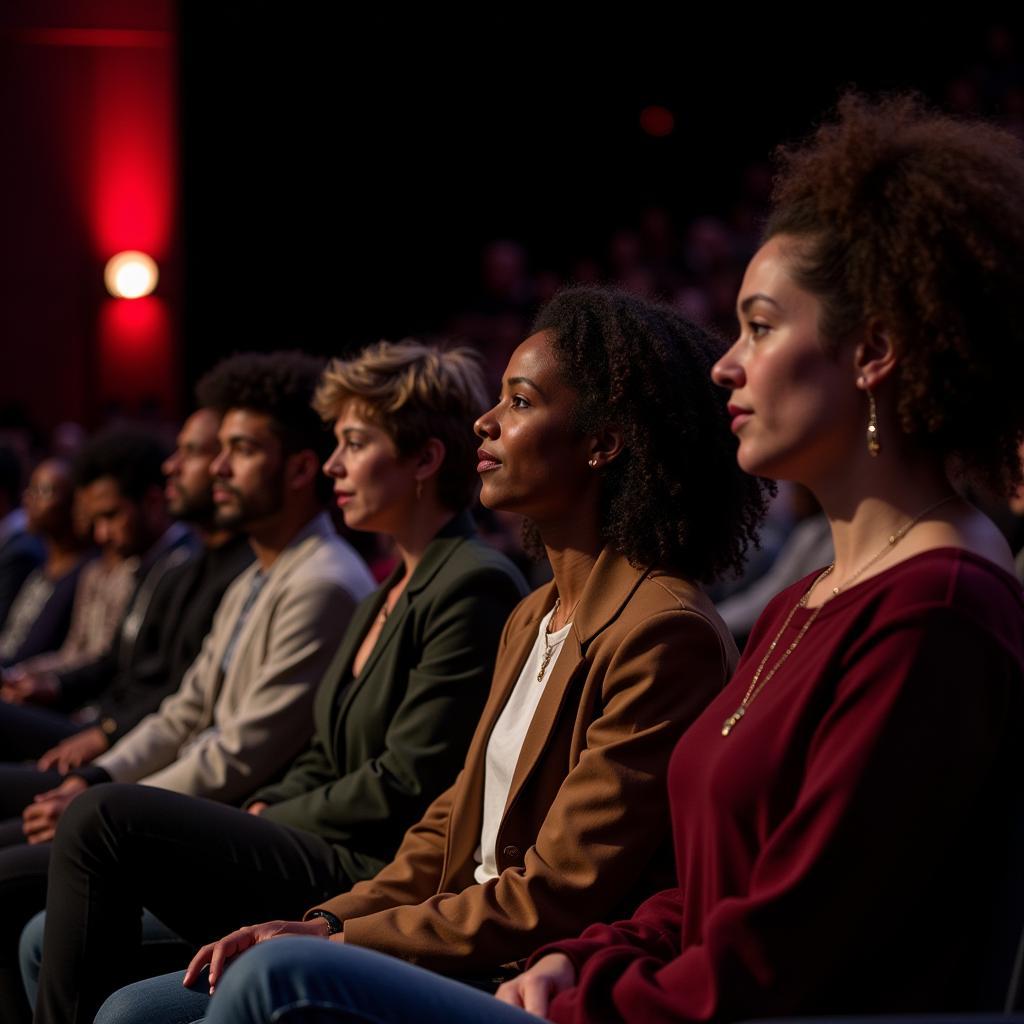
532 460
795 407
373 486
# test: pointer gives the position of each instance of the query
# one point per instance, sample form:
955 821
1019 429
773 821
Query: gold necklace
755 688
549 648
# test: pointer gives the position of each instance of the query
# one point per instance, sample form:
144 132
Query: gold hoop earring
874 445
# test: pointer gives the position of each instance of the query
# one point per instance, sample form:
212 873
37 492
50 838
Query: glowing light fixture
130 275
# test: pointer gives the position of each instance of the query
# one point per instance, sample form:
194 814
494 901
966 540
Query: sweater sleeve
901 752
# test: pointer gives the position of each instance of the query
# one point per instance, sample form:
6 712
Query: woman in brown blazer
609 439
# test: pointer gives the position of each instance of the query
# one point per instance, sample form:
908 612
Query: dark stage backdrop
321 179
341 174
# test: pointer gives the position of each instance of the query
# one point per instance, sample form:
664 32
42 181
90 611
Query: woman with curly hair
610 439
846 813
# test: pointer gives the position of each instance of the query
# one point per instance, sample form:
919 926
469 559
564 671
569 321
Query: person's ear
429 458
301 469
605 447
875 354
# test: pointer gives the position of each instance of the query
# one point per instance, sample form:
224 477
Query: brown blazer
586 825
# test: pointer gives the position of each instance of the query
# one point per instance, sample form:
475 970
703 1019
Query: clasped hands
29 687
39 819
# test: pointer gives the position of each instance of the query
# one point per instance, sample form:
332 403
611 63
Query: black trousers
27 732
202 868
23 871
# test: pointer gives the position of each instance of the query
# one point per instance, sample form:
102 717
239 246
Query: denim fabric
160 944
300 979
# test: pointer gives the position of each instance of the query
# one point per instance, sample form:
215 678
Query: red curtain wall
88 98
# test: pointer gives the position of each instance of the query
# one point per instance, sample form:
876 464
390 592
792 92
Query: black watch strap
333 924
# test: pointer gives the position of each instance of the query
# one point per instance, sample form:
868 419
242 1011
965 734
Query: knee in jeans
30 953
262 973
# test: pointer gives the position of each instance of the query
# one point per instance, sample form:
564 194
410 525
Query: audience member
189 593
40 617
605 420
20 551
243 708
119 474
105 586
400 701
846 814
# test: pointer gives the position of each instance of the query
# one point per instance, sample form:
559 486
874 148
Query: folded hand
218 954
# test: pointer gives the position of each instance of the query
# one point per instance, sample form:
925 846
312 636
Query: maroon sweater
847 847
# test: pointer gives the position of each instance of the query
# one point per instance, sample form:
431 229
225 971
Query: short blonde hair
413 392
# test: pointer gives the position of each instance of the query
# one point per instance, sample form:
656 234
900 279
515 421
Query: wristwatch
333 924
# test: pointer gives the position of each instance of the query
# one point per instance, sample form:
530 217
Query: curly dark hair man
915 220
280 385
131 459
676 497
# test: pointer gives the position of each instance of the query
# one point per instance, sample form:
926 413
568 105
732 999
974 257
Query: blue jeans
159 943
312 981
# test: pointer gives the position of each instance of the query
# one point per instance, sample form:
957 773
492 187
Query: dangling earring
874 445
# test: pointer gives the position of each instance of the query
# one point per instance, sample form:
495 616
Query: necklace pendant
730 722
545 661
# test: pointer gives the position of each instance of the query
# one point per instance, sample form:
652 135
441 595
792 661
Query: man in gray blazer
243 709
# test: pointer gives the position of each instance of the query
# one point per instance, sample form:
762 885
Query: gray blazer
223 734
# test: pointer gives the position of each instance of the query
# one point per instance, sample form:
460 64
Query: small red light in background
657 121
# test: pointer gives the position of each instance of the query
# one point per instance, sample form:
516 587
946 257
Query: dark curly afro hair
133 459
917 220
280 385
675 497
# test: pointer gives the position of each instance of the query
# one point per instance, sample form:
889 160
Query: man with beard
118 476
243 708
188 597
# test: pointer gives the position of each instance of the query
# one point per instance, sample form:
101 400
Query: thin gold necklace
549 648
755 686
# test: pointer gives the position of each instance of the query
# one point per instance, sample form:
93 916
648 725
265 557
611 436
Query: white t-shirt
507 741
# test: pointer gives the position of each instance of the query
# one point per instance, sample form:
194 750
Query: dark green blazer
390 740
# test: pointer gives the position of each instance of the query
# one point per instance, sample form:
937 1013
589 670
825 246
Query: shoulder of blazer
471 562
451 538
617 592
661 592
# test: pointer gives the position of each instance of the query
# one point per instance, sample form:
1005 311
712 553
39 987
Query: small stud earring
592 463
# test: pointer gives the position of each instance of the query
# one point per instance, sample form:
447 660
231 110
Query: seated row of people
865 751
